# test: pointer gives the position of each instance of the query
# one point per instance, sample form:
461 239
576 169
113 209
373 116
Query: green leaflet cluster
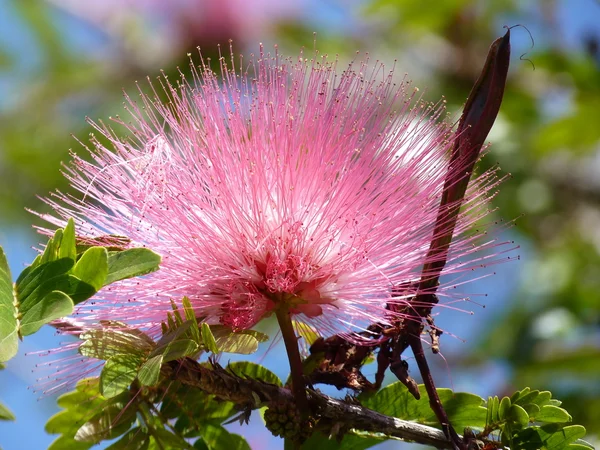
65 274
132 400
530 420
62 276
175 417
131 355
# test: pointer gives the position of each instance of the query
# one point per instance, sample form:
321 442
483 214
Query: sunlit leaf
117 374
170 440
208 339
552 414
5 413
464 410
305 331
194 406
54 305
504 407
176 349
190 316
111 422
67 248
550 437
68 443
131 263
350 441
92 267
72 286
109 341
518 415
32 277
217 437
79 406
149 373
254 371
244 342
134 439
9 341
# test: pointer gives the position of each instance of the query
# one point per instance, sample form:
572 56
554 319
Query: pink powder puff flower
284 181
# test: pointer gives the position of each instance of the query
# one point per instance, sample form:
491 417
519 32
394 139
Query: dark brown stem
434 400
291 345
253 394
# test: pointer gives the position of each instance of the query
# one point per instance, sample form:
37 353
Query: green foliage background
547 136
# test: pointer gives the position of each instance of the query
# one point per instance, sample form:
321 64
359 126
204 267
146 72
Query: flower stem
291 345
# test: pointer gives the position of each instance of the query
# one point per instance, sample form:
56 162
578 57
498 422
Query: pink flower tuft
285 181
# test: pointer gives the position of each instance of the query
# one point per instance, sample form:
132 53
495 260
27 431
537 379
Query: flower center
290 280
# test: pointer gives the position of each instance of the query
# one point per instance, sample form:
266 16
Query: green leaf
109 423
543 398
54 305
67 443
178 333
532 409
61 245
208 339
217 438
350 441
254 371
190 316
526 396
176 315
170 440
176 349
149 373
186 404
51 250
68 420
307 332
215 410
134 439
67 247
518 415
118 374
552 414
115 339
200 445
92 267
464 410
86 390
493 407
580 445
72 286
30 280
9 340
79 407
131 263
520 394
549 437
5 413
504 407
244 342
